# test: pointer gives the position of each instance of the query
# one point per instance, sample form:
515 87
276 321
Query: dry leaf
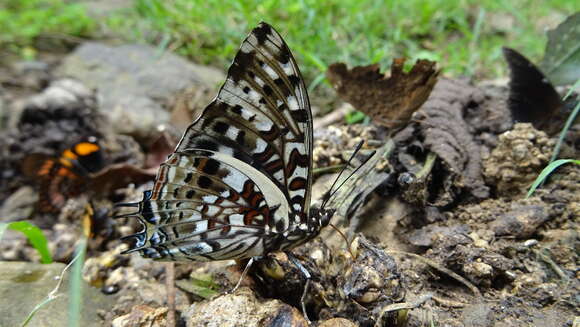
389 101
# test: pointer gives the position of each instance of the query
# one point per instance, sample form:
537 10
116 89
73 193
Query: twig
403 306
442 269
449 303
333 117
170 285
552 265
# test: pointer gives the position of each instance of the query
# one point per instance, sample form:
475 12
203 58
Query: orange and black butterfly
68 175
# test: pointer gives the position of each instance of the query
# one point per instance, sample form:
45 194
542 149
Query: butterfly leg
307 275
244 273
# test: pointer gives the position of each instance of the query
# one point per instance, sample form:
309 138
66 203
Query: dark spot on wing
211 167
240 138
267 89
204 182
237 109
294 80
220 127
188 177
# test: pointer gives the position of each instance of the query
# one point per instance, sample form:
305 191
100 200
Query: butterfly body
239 182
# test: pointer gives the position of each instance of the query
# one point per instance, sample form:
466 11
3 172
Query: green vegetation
547 172
463 36
34 235
24 22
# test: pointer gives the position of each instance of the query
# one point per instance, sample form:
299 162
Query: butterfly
532 98
60 178
238 184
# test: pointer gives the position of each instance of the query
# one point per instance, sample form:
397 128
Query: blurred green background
465 37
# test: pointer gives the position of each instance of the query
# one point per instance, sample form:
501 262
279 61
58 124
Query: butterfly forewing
262 116
240 177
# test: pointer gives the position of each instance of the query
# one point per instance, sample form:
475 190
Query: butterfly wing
532 97
262 116
241 174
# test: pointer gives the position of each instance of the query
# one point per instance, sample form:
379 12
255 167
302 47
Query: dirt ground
439 228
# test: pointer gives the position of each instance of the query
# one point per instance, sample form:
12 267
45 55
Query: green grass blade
569 121
34 235
547 171
44 302
75 301
53 294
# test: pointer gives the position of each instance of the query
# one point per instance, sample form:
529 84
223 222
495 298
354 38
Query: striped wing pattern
238 184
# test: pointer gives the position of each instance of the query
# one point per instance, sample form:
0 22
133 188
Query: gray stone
23 285
135 82
19 205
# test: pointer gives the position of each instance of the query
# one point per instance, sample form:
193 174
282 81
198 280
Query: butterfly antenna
358 147
330 194
345 240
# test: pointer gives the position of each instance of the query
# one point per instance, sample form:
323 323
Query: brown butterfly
389 101
60 178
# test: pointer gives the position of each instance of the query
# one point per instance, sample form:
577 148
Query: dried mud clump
441 128
481 266
520 155
341 286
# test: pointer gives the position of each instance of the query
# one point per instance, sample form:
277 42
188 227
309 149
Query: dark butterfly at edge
532 98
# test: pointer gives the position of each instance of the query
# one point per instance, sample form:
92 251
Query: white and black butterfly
239 182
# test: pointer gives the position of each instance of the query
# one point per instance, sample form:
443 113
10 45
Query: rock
32 74
337 322
478 315
24 285
425 235
142 316
135 82
522 221
19 205
517 160
242 309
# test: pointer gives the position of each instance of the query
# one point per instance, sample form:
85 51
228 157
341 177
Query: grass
465 37
34 236
24 22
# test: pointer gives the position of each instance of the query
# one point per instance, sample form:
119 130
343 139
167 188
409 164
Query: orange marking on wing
86 148
249 216
45 168
68 154
65 162
226 229
297 184
62 171
248 190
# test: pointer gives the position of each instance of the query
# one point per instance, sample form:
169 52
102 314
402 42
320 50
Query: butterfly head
320 217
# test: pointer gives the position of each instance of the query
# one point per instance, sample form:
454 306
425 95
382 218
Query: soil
439 228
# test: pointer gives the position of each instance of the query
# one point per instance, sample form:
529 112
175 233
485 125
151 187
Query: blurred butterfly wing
532 98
